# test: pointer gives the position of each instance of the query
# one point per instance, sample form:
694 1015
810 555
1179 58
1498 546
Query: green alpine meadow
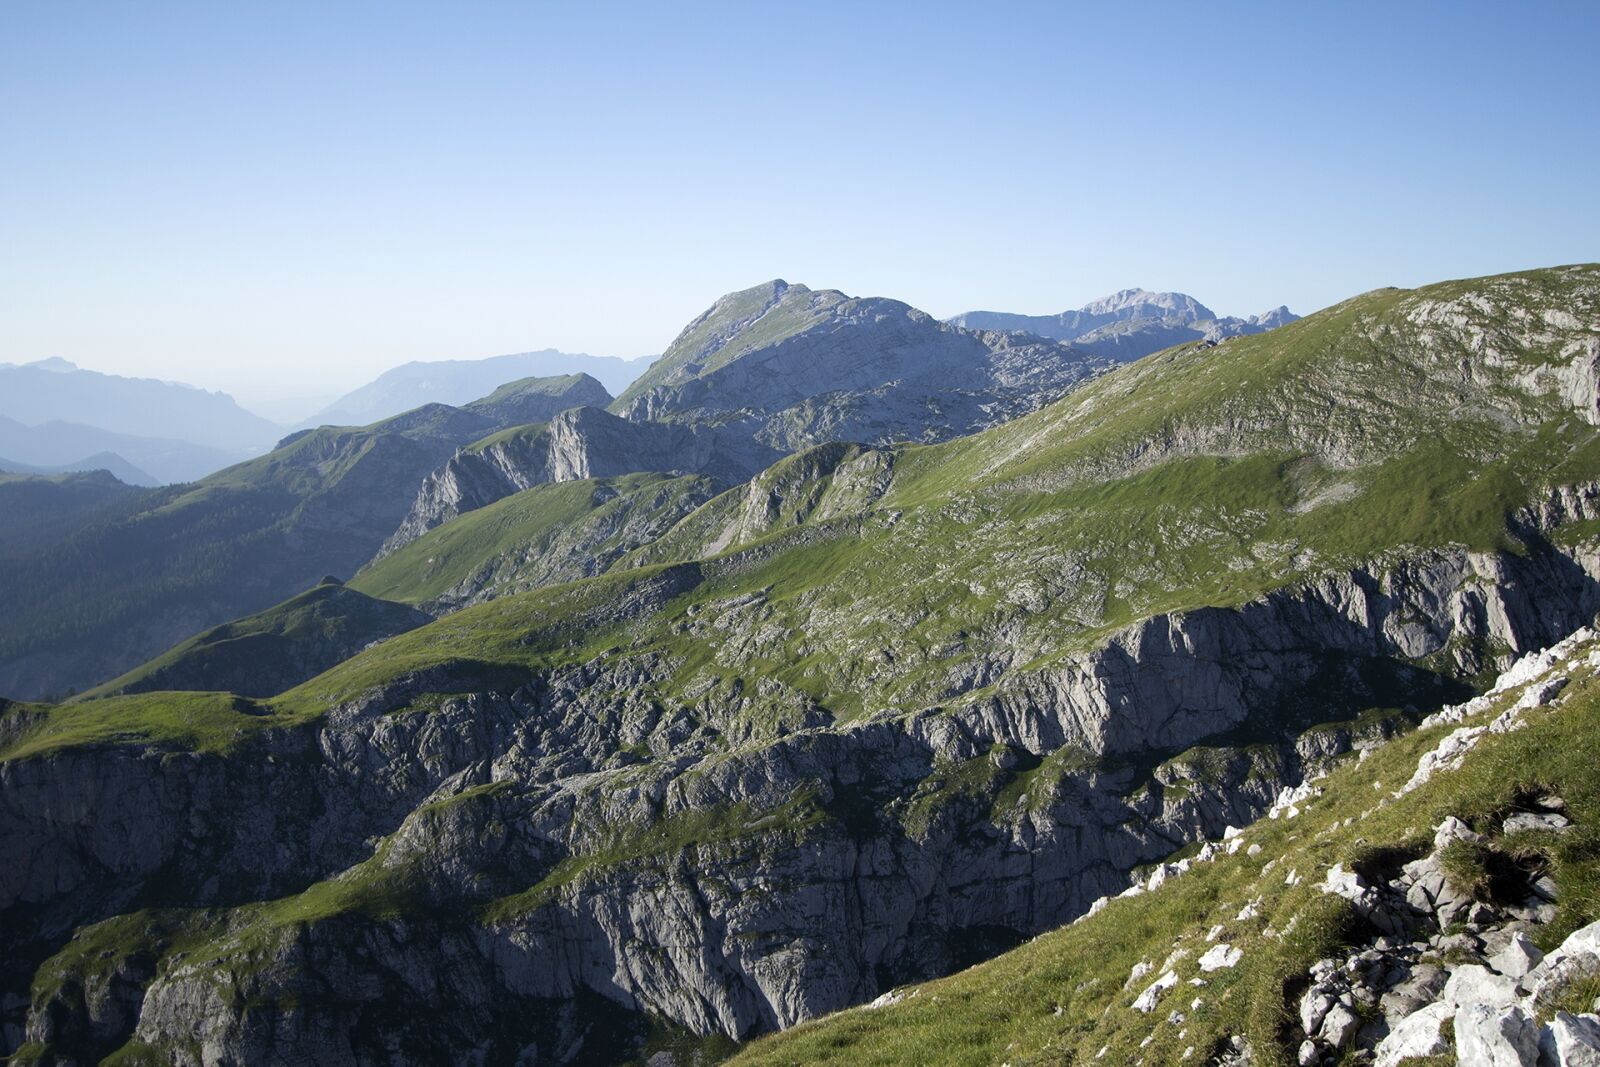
438 630
662 764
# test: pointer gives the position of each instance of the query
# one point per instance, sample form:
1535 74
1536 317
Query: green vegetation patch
191 722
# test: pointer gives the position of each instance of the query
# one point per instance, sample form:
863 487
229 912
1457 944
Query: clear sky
288 198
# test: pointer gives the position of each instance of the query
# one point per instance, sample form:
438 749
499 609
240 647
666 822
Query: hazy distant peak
460 381
53 363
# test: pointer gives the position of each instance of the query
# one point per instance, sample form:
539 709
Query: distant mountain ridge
56 390
58 445
109 462
1131 323
53 415
458 381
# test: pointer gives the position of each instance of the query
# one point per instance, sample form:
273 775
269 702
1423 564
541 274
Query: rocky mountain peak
795 367
1271 320
1143 303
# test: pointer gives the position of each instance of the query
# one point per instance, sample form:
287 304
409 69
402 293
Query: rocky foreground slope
1432 900
879 714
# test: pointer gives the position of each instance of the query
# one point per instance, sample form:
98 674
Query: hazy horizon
288 202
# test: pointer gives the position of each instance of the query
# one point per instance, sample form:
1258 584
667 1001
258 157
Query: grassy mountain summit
538 399
875 715
744 322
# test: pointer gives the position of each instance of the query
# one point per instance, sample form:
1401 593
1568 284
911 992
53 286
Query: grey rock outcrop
545 535
579 443
1458 959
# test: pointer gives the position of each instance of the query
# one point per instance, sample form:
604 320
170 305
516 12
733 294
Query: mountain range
763 372
54 415
1131 323
897 687
177 559
109 462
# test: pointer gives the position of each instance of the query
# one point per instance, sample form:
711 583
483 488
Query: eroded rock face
579 443
732 860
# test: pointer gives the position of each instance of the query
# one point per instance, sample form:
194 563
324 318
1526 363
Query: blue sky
289 198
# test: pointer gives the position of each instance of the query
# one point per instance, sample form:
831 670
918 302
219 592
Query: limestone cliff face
567 837
578 443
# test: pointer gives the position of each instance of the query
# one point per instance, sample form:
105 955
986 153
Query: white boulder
1473 985
1570 1041
1415 1035
1518 957
1496 1037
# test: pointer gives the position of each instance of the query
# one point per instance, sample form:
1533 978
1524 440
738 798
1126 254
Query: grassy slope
1196 476
1061 998
530 432
329 615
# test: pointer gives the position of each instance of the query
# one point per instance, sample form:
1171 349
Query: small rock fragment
1220 957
